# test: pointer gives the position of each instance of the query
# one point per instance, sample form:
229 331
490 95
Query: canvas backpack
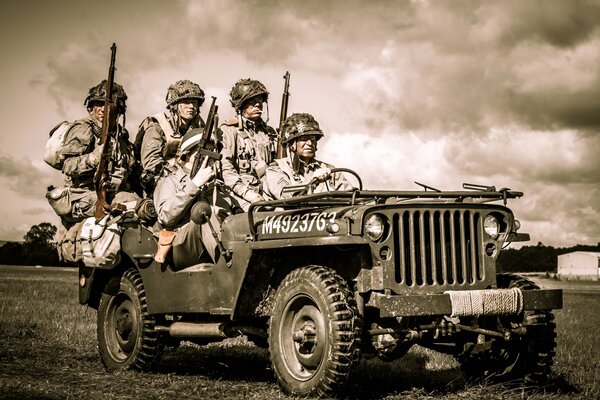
55 143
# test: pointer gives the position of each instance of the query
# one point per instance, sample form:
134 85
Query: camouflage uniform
294 171
248 146
159 137
81 156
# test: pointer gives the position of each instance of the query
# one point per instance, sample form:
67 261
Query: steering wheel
351 172
302 189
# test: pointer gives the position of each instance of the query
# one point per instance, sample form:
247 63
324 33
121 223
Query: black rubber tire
315 303
529 357
259 341
126 336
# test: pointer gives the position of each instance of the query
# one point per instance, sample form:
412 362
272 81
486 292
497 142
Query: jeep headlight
374 227
491 226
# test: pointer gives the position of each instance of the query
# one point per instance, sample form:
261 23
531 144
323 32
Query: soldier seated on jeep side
175 195
300 133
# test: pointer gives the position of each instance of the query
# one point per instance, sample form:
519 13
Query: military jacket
161 142
247 151
281 174
80 166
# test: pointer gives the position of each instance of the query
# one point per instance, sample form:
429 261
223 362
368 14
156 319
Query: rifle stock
281 149
211 123
109 126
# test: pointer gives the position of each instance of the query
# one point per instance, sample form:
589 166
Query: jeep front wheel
524 357
126 337
314 332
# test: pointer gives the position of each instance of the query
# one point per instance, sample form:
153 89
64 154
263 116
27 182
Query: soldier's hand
204 174
96 154
322 174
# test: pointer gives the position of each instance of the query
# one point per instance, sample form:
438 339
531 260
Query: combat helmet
184 90
98 93
300 124
245 89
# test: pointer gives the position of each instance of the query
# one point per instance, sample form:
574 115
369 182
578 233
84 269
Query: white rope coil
486 302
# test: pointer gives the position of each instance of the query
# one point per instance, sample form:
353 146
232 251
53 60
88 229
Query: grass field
48 351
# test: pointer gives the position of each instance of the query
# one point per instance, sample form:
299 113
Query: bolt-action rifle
109 131
281 149
207 131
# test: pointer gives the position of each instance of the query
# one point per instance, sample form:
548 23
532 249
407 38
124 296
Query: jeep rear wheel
314 332
126 337
529 356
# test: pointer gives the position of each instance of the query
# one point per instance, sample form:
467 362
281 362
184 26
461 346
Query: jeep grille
437 247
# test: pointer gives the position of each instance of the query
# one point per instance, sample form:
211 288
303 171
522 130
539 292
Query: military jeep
321 278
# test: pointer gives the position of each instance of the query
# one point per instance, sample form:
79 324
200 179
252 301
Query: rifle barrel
281 150
109 124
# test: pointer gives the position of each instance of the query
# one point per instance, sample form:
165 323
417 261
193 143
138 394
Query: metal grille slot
437 247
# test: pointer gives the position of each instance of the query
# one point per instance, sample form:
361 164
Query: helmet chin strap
267 118
175 119
240 120
294 158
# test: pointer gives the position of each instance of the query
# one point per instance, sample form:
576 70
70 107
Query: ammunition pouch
117 177
245 165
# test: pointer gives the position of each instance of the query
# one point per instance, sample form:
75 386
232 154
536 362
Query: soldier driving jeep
301 133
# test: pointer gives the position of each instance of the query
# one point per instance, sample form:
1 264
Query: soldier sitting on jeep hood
300 133
175 195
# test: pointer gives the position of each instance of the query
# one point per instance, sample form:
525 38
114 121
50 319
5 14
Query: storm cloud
503 93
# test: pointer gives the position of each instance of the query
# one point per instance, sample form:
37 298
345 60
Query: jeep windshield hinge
427 187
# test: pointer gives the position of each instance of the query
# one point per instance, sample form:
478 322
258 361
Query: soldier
248 143
159 136
301 133
177 192
81 153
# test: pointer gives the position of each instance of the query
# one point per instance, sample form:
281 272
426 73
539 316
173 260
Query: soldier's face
306 147
98 111
252 108
187 109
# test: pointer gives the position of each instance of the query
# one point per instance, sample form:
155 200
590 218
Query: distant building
579 265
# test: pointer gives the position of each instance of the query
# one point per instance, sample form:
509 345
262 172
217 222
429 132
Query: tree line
38 248
536 258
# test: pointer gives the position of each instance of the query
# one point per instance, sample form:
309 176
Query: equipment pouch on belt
59 200
70 203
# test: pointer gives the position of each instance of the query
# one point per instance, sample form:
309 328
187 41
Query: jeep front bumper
441 304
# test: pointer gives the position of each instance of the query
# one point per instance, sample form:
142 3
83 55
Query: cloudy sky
503 93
